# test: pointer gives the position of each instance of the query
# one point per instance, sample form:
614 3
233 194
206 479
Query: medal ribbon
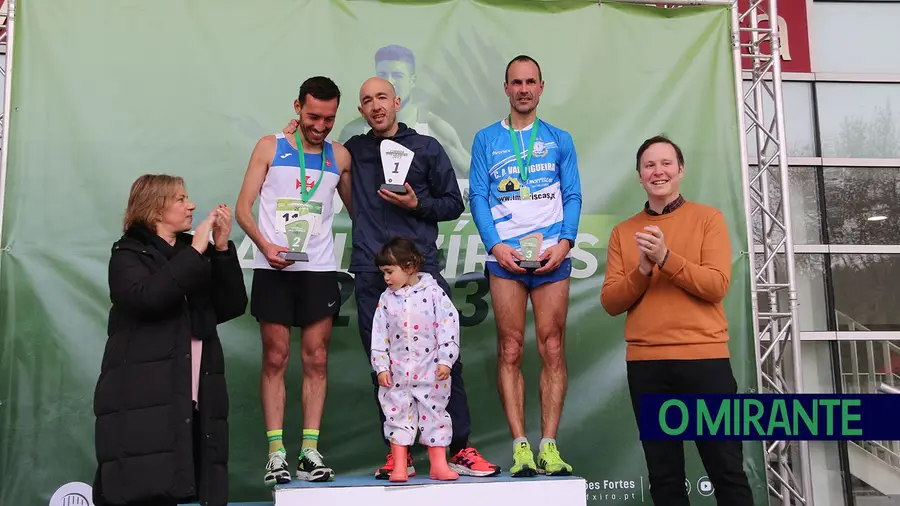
303 193
523 169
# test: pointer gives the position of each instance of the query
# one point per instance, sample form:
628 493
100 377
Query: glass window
798 119
810 274
864 286
805 214
864 367
865 291
855 37
867 364
862 205
859 120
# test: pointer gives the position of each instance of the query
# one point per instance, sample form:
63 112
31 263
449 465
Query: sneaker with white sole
277 472
311 467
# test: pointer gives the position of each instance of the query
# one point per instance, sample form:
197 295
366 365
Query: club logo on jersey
310 182
540 149
510 184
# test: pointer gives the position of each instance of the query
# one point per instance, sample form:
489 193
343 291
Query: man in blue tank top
295 280
525 196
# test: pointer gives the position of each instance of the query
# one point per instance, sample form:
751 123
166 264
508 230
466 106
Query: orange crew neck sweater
676 312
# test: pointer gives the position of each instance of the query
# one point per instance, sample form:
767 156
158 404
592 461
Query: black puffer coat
146 423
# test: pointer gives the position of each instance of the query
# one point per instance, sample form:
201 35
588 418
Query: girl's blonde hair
149 196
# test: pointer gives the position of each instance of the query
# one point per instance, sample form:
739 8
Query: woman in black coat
161 402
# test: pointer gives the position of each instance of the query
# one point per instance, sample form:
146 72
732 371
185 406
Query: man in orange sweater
669 267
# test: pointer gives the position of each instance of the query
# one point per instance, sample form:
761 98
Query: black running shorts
294 298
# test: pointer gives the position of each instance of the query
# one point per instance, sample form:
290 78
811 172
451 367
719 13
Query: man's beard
391 121
526 109
304 131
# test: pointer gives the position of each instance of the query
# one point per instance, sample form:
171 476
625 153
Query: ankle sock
518 441
310 439
275 440
547 440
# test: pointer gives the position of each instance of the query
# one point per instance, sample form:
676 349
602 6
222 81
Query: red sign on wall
793 30
4 9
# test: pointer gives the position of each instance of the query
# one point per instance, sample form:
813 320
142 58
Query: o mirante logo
770 416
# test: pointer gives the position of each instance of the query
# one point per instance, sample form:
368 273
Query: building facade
841 92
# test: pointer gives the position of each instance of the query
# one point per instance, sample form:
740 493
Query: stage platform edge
349 490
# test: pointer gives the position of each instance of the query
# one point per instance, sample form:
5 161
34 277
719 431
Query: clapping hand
222 227
201 233
652 243
645 264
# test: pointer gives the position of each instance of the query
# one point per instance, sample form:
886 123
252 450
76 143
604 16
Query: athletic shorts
294 298
530 279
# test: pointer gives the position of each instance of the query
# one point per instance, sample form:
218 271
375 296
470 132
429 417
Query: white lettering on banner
590 261
475 254
73 494
633 490
615 490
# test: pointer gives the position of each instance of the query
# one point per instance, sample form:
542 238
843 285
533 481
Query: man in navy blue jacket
432 196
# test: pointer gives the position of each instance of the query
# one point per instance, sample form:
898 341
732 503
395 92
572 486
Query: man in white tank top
295 280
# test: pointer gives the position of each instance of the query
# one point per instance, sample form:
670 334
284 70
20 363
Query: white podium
493 491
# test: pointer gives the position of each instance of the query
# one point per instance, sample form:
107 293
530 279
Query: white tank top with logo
282 184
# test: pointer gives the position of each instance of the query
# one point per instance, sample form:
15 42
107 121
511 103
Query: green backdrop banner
106 91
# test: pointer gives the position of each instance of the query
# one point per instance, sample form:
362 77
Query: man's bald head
375 85
379 104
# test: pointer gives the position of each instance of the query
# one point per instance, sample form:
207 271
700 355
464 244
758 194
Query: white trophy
531 248
395 162
298 222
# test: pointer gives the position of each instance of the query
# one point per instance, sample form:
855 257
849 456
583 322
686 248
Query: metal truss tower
767 199
755 39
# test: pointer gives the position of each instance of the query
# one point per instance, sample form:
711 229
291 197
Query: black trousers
723 460
368 287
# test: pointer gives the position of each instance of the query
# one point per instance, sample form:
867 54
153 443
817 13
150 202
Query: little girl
415 342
